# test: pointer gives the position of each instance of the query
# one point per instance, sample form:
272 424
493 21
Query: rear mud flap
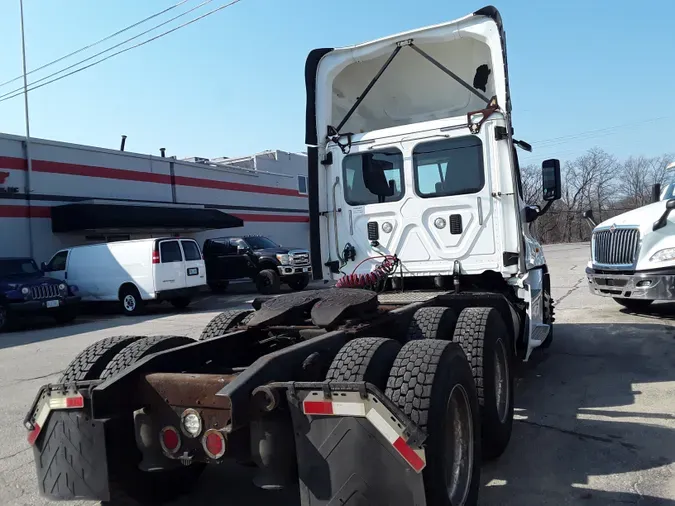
346 461
70 457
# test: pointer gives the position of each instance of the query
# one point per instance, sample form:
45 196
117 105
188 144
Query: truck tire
432 323
225 321
364 359
131 301
635 305
298 282
268 282
141 348
483 336
432 383
91 362
219 286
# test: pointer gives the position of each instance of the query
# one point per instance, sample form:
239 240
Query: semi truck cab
633 254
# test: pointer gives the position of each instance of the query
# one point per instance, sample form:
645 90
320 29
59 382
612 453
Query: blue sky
233 84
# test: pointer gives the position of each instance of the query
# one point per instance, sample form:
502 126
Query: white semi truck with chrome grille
386 390
633 254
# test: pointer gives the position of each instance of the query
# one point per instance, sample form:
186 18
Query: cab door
170 272
195 274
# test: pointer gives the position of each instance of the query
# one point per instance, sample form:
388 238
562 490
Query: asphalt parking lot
595 414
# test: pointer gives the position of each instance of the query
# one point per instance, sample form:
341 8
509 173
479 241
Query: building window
302 185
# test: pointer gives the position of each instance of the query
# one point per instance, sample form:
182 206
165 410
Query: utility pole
29 161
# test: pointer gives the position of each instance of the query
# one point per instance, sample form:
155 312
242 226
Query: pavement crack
14 454
571 290
41 377
581 435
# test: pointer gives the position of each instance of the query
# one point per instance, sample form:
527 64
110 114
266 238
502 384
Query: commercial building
74 194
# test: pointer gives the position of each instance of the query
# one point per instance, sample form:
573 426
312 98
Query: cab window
58 262
372 178
449 167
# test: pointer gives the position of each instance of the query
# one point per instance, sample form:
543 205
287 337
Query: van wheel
268 282
298 283
132 304
181 302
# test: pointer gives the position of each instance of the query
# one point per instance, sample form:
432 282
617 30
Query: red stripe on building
23 212
135 175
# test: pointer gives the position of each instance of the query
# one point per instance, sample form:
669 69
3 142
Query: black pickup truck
257 258
25 291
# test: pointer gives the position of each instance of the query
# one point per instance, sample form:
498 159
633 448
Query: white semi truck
388 389
633 254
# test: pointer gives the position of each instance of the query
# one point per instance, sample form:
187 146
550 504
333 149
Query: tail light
169 439
214 443
155 257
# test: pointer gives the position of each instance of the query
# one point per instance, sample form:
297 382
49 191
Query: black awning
138 218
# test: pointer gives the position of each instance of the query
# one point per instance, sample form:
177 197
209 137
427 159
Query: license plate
193 271
52 303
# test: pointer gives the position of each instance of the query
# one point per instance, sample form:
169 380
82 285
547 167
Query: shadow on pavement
589 419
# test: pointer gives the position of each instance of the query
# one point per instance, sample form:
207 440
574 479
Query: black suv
257 258
25 290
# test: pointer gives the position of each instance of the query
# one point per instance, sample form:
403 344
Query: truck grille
616 247
45 291
300 258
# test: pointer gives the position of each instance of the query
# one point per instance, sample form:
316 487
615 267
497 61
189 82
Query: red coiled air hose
370 279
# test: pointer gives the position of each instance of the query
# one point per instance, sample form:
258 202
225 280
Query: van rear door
169 266
195 269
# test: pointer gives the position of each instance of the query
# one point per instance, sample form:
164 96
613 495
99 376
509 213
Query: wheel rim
459 446
129 303
502 384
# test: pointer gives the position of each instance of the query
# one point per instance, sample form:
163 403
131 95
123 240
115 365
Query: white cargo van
132 272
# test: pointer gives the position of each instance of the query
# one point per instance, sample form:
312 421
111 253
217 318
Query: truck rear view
360 396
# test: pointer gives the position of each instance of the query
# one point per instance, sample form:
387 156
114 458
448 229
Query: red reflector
318 407
33 435
214 443
170 439
75 402
409 454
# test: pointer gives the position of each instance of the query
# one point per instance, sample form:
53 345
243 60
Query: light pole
29 161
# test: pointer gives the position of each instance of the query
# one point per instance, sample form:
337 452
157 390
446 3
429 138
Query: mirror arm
661 222
545 208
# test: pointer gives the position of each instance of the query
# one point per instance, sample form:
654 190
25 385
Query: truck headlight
25 290
284 259
663 255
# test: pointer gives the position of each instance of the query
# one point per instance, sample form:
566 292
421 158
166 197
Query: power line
95 43
13 93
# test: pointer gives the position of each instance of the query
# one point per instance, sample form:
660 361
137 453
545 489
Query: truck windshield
371 178
260 243
18 267
449 167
